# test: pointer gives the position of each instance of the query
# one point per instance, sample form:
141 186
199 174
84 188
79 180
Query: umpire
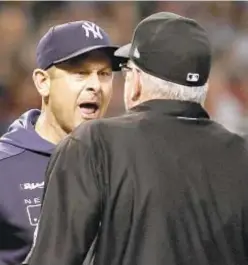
160 185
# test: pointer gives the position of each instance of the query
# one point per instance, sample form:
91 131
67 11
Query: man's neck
48 129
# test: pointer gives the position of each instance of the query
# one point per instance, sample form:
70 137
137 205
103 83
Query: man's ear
42 82
136 89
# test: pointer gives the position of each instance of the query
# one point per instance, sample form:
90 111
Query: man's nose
94 83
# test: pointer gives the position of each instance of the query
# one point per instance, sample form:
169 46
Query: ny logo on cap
93 28
192 77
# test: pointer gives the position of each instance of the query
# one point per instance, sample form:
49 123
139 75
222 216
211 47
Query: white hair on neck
155 87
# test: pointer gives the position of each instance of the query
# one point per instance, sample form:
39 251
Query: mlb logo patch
192 77
33 213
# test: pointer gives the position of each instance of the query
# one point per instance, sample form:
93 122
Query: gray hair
155 87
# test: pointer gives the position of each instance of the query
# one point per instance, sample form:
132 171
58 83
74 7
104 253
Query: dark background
23 23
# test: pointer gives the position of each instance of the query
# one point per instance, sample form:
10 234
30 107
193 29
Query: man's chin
88 117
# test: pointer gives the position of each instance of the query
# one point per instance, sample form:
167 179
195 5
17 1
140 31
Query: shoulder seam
23 150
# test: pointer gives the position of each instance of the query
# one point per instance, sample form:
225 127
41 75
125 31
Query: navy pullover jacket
24 156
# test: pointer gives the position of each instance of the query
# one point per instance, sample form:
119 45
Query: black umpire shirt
160 185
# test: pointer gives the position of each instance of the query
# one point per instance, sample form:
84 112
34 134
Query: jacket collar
175 108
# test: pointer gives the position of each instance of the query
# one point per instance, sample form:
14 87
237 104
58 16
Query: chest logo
32 186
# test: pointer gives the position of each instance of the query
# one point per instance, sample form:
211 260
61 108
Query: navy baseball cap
171 47
69 40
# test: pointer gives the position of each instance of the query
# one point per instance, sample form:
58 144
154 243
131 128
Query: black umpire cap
69 40
171 47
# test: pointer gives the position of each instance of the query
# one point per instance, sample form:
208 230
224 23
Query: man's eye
105 73
83 73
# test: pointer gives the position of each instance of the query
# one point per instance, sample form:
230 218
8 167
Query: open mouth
89 109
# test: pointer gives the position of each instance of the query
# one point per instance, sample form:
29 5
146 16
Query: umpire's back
177 182
177 190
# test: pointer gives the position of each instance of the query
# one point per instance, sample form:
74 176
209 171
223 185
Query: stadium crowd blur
22 23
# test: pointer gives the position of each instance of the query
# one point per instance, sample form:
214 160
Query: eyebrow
106 68
88 68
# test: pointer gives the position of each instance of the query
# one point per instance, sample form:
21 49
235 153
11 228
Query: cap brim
109 50
123 51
